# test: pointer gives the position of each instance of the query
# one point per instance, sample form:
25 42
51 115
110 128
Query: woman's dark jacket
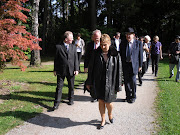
113 73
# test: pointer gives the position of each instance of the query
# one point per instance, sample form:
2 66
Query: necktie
128 53
67 47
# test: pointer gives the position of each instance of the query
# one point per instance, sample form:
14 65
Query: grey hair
148 38
95 31
66 34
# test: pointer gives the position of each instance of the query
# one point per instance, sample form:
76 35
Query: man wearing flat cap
131 55
174 59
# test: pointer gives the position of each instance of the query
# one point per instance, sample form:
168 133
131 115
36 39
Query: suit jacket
65 61
136 55
113 43
88 53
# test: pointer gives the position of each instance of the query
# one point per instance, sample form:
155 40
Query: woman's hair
105 38
148 38
156 37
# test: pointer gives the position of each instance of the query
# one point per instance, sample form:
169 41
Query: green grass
168 101
29 100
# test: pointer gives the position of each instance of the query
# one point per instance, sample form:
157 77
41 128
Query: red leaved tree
14 39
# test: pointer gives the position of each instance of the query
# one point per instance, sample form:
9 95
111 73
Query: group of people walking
109 64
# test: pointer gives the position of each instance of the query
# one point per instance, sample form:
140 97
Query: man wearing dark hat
174 59
131 55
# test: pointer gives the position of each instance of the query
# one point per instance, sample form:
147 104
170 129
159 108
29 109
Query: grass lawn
168 101
27 93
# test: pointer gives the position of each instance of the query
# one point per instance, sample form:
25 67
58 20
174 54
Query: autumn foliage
14 39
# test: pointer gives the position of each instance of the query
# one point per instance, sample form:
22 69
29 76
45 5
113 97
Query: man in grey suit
65 65
131 56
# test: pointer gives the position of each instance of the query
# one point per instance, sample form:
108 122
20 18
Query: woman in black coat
105 76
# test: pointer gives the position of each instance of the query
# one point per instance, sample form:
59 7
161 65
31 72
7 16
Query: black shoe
93 100
111 120
171 76
70 103
132 100
101 126
55 107
140 84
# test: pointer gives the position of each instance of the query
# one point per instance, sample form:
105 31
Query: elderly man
131 56
96 35
65 65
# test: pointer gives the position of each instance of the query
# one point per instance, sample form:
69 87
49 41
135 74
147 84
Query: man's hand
54 73
140 68
85 70
161 57
88 87
76 72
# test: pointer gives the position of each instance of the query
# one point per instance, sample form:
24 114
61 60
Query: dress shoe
55 107
171 76
111 120
132 100
93 100
70 103
101 126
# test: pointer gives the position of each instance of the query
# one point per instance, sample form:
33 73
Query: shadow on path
45 120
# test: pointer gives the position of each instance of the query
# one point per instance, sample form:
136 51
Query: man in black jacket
65 65
174 59
96 35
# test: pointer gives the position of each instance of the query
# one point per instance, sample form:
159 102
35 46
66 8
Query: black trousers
60 84
79 58
130 82
142 72
155 62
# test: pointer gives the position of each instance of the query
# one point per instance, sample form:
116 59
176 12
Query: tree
14 39
35 54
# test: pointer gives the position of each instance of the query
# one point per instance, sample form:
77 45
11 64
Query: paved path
83 117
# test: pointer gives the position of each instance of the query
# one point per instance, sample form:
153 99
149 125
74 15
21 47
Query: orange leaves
14 39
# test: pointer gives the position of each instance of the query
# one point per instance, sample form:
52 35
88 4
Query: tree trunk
35 54
93 16
44 27
63 8
109 12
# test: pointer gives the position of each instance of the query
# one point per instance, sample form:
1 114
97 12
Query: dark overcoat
113 74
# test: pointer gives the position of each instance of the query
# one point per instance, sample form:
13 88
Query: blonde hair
105 38
156 37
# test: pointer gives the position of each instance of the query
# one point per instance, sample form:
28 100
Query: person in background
105 76
156 54
93 45
147 41
143 71
131 56
79 43
115 42
174 59
65 65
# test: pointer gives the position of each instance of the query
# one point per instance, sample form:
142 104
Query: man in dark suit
115 42
65 65
131 56
94 44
